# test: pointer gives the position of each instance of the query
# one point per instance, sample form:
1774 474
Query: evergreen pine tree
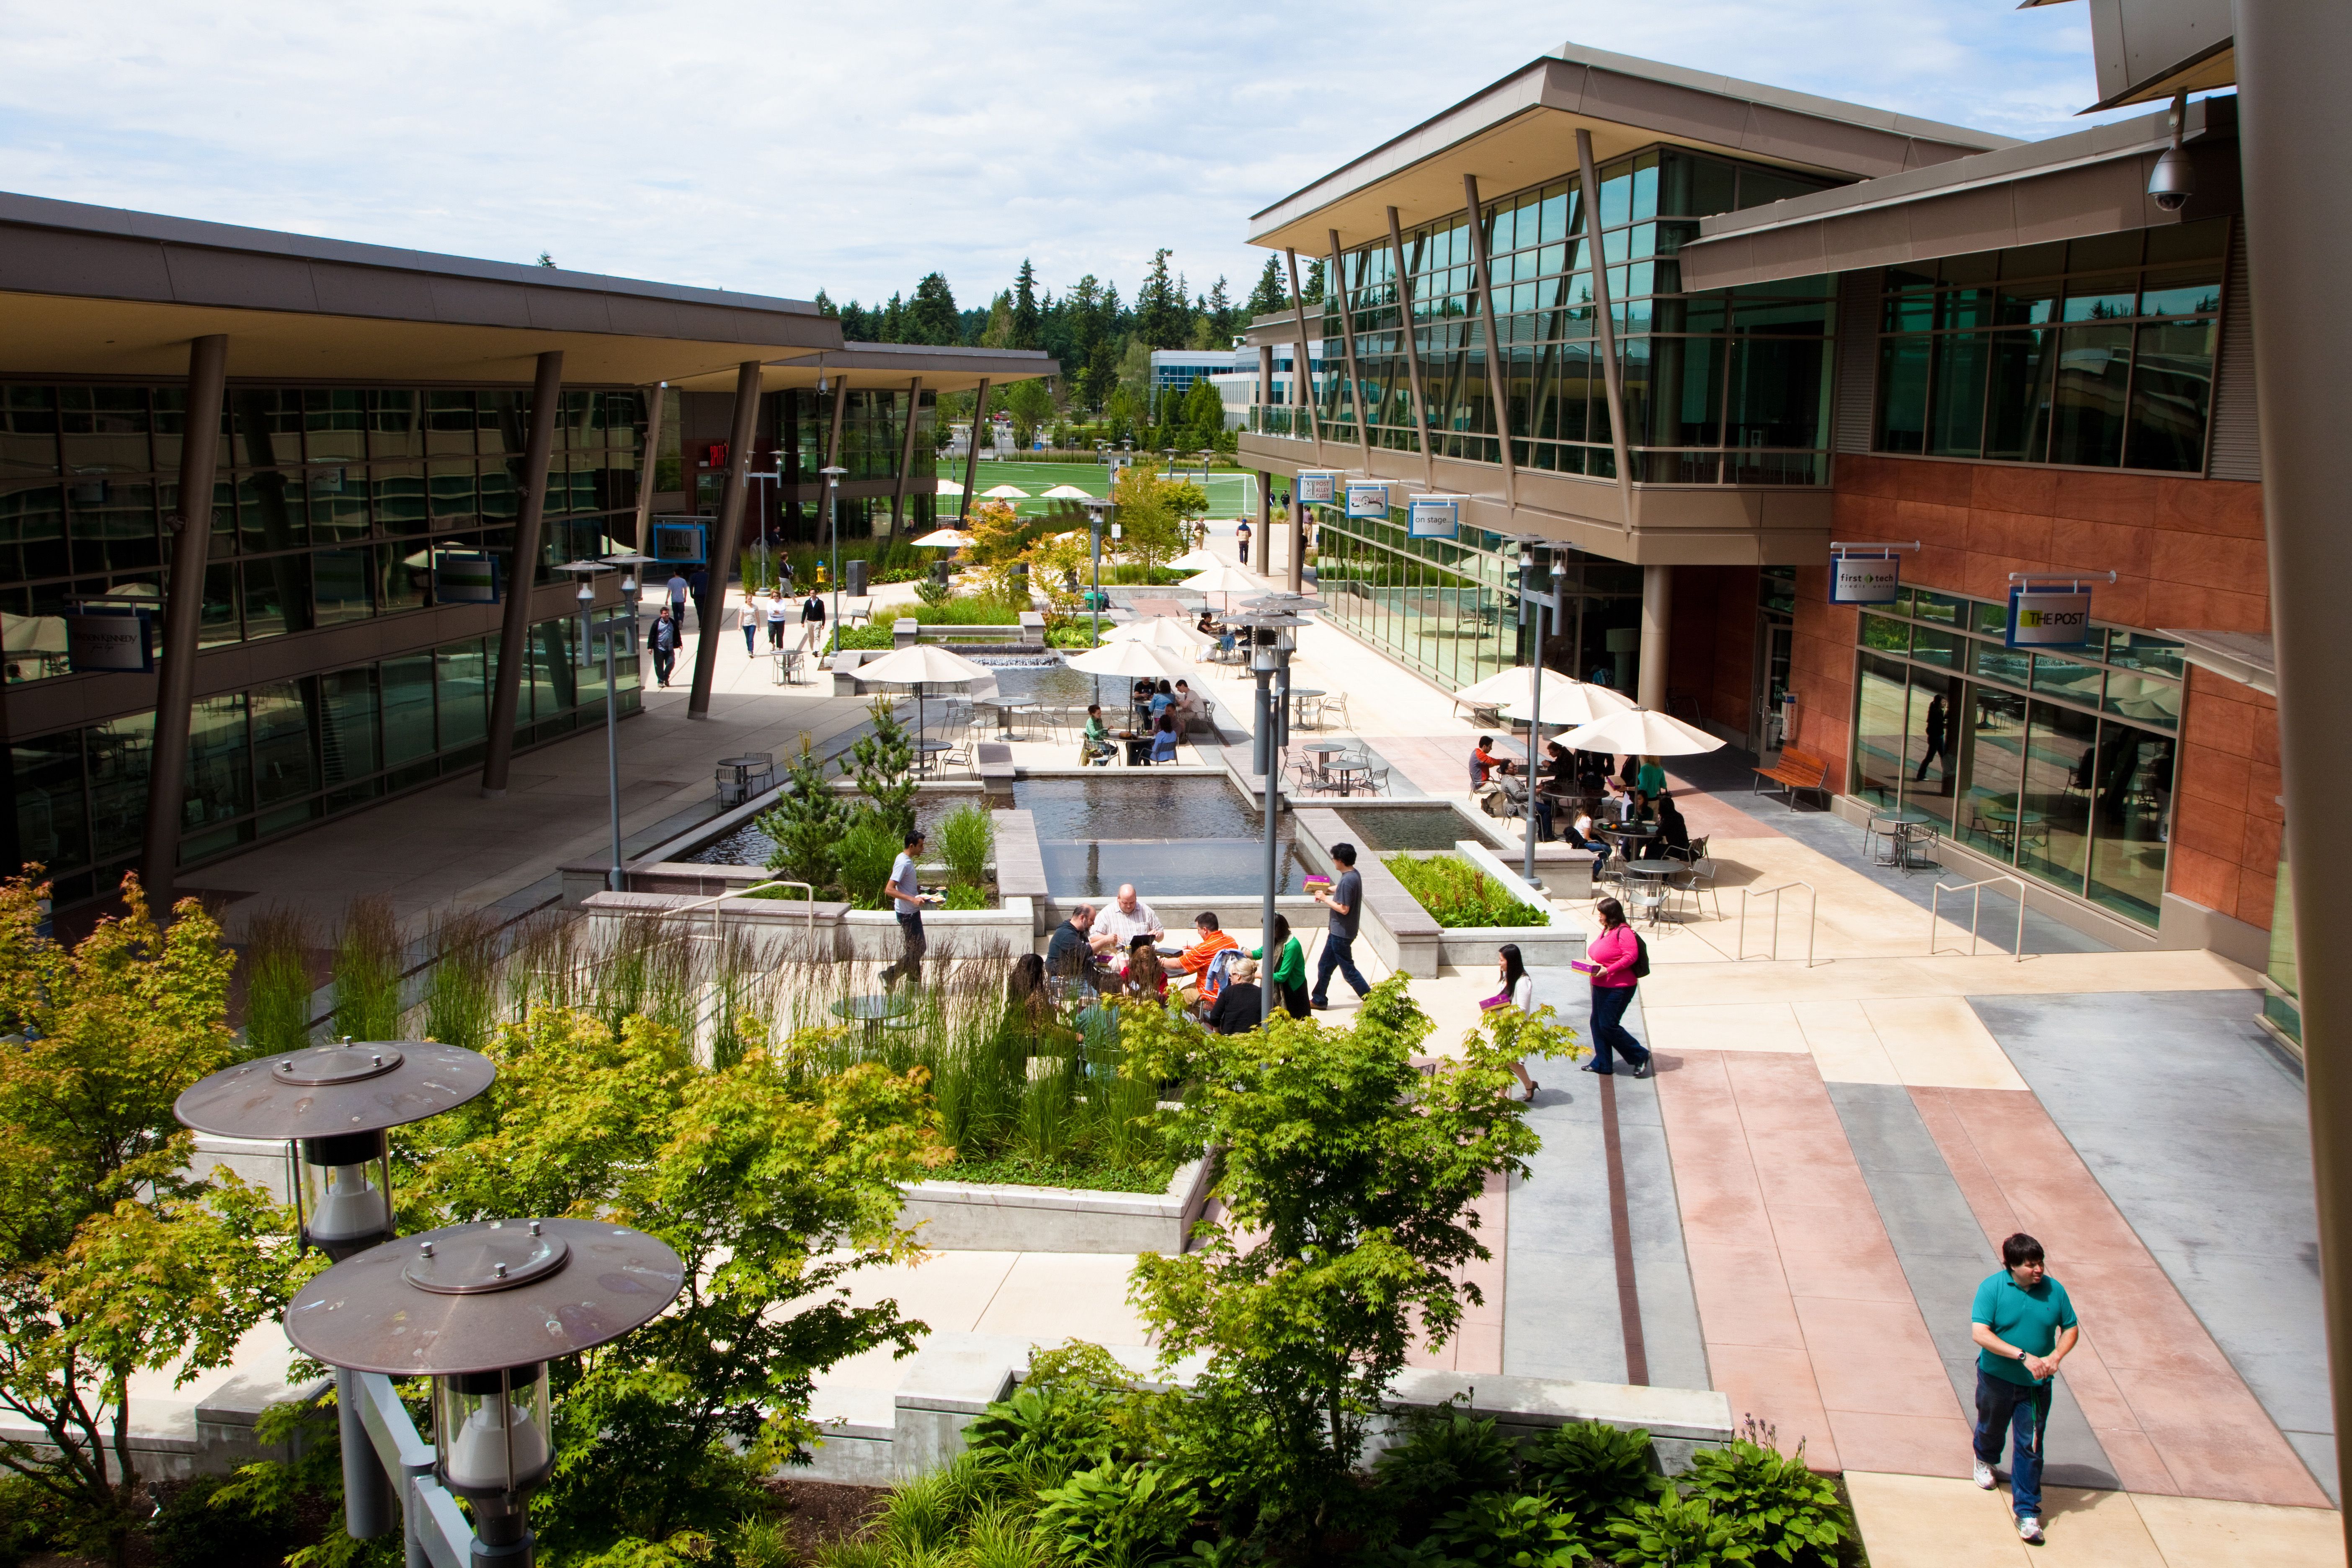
1159 313
826 307
1026 318
931 317
1269 296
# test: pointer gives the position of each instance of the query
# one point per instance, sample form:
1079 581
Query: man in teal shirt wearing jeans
2023 1325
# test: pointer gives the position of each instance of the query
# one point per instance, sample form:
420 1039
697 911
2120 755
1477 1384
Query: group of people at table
1162 712
1123 949
1590 798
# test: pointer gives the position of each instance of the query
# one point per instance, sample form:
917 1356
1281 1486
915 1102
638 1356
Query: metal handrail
718 915
1812 919
1975 909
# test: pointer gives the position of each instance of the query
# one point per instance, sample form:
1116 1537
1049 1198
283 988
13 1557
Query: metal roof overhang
1522 131
2092 182
883 365
2250 658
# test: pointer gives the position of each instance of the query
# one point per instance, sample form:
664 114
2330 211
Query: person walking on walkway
1345 899
675 589
2023 1325
1518 991
1242 539
779 607
750 616
812 621
908 898
1615 961
665 643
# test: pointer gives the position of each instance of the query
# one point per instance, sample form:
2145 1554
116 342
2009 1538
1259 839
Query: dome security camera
2172 182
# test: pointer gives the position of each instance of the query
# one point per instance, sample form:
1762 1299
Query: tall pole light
1272 627
632 580
833 523
1531 612
332 1107
1099 510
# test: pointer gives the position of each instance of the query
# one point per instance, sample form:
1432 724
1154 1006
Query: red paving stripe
1808 1319
2172 1414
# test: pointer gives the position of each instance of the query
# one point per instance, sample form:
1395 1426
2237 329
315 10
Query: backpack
1640 957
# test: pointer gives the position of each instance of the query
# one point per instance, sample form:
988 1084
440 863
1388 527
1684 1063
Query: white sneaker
2029 1529
1982 1476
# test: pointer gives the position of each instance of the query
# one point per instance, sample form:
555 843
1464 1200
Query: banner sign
1317 489
2049 617
1433 517
1368 502
465 578
110 639
1865 579
681 543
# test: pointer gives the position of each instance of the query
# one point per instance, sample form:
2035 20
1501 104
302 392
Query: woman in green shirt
1287 977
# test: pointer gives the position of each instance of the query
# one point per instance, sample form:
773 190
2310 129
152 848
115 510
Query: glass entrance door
1775 637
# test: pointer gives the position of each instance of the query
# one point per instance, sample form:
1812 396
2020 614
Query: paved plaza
1806 1194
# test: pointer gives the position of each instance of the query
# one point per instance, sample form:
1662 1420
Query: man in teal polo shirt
2023 1327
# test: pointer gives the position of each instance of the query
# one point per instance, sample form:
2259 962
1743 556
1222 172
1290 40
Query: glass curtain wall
1728 386
873 434
331 506
2096 352
286 753
2060 764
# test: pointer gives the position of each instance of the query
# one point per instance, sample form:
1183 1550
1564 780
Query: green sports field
1230 494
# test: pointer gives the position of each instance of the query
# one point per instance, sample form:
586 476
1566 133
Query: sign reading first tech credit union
2049 617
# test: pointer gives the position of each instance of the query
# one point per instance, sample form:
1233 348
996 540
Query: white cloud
779 149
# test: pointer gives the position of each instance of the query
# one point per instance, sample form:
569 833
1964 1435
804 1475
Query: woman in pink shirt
1609 959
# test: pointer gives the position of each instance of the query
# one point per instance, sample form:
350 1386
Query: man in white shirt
906 898
1127 917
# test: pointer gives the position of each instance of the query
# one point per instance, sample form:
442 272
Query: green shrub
967 610
933 592
1596 1470
968 842
864 857
805 824
368 962
1679 1533
883 764
1116 1516
1447 1458
1498 1530
195 1530
276 983
1456 893
871 638
1780 1505
966 896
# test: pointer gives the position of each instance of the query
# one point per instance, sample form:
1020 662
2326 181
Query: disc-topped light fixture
481 1308
332 1106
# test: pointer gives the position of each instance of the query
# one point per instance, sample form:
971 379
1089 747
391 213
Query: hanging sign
465 578
681 543
110 639
1316 488
1368 502
2049 617
1433 517
1865 579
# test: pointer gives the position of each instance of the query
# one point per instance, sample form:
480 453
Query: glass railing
1285 419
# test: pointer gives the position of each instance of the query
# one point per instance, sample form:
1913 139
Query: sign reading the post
1865 579
2049 617
461 577
110 639
1368 502
681 543
1433 517
1316 488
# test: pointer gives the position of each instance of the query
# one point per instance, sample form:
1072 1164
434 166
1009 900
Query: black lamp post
1272 622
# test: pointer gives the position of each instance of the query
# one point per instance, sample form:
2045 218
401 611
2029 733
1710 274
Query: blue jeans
1609 1030
1339 954
2025 1412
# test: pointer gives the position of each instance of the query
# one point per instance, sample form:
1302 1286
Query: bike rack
1975 908
1812 919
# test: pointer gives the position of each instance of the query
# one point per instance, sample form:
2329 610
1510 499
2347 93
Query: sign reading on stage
1865 579
2049 617
1368 502
110 639
1316 487
461 577
1433 517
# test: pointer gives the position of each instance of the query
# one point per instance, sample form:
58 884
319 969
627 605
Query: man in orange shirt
1194 964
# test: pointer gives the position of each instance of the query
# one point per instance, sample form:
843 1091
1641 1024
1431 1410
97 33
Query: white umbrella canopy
1195 561
1130 658
1162 631
1223 579
923 664
1576 704
1006 492
32 634
940 538
950 488
1643 733
1069 493
1513 687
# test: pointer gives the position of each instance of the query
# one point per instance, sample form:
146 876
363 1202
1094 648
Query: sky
779 149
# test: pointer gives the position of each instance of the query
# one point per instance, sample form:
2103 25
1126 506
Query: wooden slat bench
1796 771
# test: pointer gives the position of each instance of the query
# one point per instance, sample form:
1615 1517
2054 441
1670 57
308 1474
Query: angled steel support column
906 458
2294 122
648 461
1302 374
971 451
1411 347
1339 280
713 614
183 610
1498 369
514 629
1613 372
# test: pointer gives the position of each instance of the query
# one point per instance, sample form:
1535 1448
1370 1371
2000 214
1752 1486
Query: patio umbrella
950 488
1579 704
1225 580
1641 732
1561 696
1162 632
1006 492
32 634
1130 658
922 665
1067 492
940 538
1195 561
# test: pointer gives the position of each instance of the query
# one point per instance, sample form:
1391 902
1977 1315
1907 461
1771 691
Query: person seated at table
1127 917
1673 832
1207 625
1027 981
1485 762
1140 700
1163 698
1619 807
1188 705
1068 954
1225 639
1582 834
1558 783
1095 747
1287 972
1144 975
1193 963
1237 1007
1164 738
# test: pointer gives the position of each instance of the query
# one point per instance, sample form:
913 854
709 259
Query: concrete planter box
1467 946
1394 924
973 1216
837 933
